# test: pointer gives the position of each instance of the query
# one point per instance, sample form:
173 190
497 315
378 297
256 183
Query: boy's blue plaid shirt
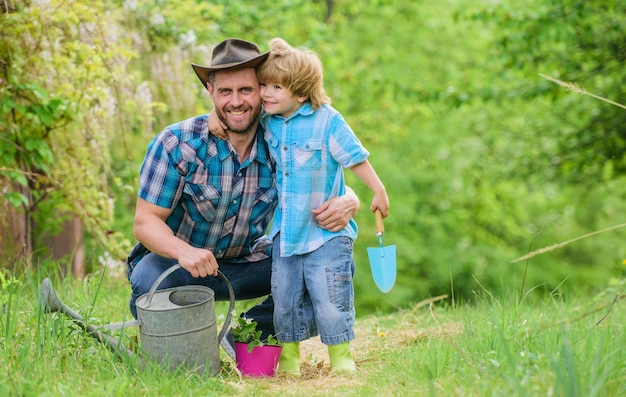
311 148
199 177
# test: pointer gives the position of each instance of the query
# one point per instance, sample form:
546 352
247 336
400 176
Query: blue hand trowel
382 259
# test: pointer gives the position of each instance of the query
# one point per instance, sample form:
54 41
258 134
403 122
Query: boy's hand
380 201
216 126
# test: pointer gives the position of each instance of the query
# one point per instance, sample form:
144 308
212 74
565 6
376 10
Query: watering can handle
231 294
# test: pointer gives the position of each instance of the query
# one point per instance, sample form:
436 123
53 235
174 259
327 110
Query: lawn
488 347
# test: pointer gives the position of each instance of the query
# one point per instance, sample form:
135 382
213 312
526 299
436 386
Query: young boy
312 268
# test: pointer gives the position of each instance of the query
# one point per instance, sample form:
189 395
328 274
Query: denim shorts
314 293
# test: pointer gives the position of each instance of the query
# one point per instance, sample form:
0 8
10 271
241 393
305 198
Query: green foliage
7 282
245 331
577 41
63 68
25 149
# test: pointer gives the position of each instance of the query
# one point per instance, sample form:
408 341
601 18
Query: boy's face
279 100
236 96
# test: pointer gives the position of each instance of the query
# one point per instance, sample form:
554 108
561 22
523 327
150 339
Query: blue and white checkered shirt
311 148
217 203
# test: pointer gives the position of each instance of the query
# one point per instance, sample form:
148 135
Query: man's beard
243 130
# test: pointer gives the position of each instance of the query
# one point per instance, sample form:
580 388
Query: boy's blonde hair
299 70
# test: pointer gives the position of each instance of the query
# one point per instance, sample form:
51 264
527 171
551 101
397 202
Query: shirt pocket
308 154
202 201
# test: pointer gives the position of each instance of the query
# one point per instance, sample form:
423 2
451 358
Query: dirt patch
369 342
375 337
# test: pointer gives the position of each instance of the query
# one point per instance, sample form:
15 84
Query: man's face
237 100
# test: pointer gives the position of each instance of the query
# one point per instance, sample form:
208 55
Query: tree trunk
16 235
15 239
69 245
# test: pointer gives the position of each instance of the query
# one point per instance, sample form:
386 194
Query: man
206 203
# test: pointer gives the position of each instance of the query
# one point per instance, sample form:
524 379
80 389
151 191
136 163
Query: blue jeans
249 281
313 293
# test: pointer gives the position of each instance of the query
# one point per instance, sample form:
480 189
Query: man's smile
237 113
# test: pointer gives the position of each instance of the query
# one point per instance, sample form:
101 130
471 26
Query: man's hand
150 228
334 214
198 262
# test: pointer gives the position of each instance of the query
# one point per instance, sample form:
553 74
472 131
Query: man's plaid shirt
218 203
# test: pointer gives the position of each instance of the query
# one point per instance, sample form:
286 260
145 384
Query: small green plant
7 282
245 331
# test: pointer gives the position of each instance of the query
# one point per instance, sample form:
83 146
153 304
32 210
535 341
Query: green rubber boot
289 363
341 361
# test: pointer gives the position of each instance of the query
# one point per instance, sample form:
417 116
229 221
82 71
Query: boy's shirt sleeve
344 145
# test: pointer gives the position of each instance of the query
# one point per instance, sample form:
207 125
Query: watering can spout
176 327
48 298
50 302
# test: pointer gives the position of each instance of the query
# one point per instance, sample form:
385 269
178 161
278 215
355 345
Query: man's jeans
249 281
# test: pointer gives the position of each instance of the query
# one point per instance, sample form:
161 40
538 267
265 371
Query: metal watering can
177 326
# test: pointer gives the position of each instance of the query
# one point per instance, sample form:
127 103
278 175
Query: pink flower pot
261 361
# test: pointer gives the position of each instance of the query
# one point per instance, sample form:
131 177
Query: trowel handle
380 227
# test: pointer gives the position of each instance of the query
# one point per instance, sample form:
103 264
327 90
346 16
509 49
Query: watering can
177 326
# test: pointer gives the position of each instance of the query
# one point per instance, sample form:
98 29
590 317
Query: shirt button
234 201
285 148
286 174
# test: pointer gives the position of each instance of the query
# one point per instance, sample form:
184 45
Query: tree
62 74
575 41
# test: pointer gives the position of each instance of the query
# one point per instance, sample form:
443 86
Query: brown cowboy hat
231 54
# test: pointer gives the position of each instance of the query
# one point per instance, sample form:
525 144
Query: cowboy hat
231 54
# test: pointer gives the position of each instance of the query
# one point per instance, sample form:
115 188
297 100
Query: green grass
488 347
